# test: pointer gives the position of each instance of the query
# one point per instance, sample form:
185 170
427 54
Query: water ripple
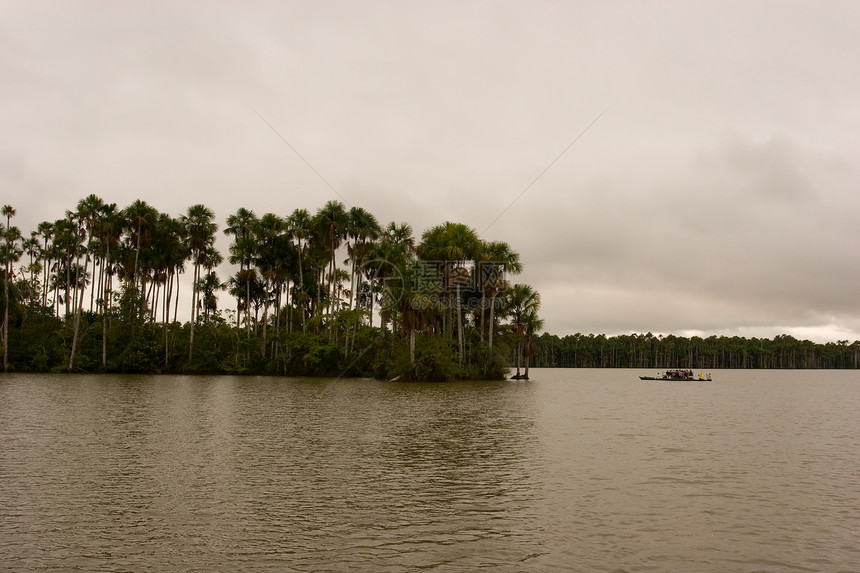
577 470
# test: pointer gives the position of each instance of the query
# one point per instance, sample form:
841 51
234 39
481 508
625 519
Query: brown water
575 470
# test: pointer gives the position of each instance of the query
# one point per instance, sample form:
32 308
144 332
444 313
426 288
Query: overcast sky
718 192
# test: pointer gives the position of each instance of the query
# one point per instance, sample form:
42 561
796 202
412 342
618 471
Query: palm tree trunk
528 355
165 316
519 355
352 286
265 318
93 286
483 314
80 303
302 291
68 284
248 306
6 316
194 295
105 307
492 319
176 300
460 323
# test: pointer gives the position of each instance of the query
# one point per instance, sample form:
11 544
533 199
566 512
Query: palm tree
209 286
109 230
200 232
140 219
87 214
496 260
31 248
46 231
533 324
523 303
417 308
452 244
362 230
266 231
332 220
11 254
392 254
299 225
168 253
241 251
65 245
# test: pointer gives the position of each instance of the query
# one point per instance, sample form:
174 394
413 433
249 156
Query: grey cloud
718 193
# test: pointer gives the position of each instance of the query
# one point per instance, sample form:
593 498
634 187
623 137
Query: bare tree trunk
194 297
492 319
80 303
165 316
93 285
519 355
176 301
105 308
459 323
6 316
265 318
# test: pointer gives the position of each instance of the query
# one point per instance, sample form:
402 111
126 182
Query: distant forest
98 291
661 352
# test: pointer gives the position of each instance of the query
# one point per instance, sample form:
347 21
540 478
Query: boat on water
678 374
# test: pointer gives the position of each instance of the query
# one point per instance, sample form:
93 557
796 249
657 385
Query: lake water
588 470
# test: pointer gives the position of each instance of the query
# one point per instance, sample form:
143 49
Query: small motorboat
680 375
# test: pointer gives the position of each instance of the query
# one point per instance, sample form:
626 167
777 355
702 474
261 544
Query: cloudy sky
665 166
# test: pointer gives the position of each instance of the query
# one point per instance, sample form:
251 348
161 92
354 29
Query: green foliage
435 360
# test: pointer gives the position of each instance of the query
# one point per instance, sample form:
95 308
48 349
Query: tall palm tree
362 230
31 248
140 219
109 231
497 260
88 212
523 303
299 225
332 220
533 324
209 286
392 254
11 254
200 230
170 249
267 231
211 259
451 244
241 251
64 248
46 231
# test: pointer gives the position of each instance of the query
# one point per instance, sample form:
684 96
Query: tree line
329 293
660 352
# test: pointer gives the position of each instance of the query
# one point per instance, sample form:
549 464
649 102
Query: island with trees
332 293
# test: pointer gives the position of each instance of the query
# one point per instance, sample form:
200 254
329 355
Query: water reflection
172 473
575 470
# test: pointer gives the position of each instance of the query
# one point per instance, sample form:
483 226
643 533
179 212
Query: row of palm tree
145 250
328 274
